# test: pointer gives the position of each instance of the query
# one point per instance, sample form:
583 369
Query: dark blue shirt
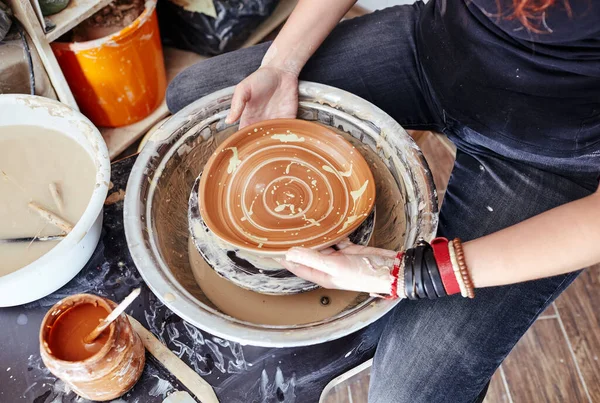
539 92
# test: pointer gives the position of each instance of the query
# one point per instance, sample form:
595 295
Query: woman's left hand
351 267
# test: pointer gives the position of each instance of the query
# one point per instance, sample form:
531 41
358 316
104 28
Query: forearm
558 241
305 30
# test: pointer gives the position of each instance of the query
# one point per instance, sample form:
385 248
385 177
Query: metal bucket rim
152 267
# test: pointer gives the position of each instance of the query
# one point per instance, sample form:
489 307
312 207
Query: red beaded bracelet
442 257
395 272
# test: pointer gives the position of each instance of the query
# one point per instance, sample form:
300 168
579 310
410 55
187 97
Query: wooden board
75 13
27 17
579 311
541 368
497 392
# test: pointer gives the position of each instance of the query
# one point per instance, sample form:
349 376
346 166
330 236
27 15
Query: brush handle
112 316
33 239
51 217
187 376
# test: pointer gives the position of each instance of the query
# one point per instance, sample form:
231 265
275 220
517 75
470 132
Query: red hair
532 13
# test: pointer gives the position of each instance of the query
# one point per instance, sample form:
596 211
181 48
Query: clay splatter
312 221
288 138
282 207
234 161
356 194
349 221
346 174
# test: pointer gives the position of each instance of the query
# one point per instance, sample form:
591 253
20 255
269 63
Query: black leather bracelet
418 272
427 282
409 282
434 273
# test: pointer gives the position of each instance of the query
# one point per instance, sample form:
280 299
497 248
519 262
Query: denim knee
213 74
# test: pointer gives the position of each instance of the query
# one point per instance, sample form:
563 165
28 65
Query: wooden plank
26 16
358 386
75 13
119 138
339 394
550 312
579 310
497 392
540 368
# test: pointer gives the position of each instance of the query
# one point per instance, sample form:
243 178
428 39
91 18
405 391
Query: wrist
434 271
286 63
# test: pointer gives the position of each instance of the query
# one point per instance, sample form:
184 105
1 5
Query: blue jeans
444 350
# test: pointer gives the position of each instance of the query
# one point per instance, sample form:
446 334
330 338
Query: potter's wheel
250 271
157 225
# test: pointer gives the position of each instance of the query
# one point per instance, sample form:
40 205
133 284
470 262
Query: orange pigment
65 339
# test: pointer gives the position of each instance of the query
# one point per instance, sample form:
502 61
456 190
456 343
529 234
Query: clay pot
111 371
284 183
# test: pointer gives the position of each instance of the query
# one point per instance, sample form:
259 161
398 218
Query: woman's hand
351 267
271 92
268 93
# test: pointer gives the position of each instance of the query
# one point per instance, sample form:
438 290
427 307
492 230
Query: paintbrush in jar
112 316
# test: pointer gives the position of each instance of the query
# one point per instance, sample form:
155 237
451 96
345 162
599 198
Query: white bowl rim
94 208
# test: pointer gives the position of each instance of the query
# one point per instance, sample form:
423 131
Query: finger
248 118
241 96
352 249
327 251
309 274
329 264
344 243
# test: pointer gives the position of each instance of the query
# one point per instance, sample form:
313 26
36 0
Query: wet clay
173 189
284 183
31 159
249 306
65 340
109 20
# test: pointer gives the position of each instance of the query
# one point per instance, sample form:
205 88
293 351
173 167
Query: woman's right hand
268 93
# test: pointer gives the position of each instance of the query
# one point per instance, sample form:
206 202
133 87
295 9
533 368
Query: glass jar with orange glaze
102 370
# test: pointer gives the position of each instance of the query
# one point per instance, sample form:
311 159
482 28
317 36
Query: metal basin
165 171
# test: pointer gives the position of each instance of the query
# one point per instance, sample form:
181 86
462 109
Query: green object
50 7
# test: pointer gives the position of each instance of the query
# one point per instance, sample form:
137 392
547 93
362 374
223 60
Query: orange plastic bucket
119 79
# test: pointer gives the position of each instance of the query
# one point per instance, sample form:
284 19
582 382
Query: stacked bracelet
462 266
431 271
456 269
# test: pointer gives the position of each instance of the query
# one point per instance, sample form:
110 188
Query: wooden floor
557 361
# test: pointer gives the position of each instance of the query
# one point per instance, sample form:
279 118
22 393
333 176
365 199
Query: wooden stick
187 376
56 197
51 217
112 316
